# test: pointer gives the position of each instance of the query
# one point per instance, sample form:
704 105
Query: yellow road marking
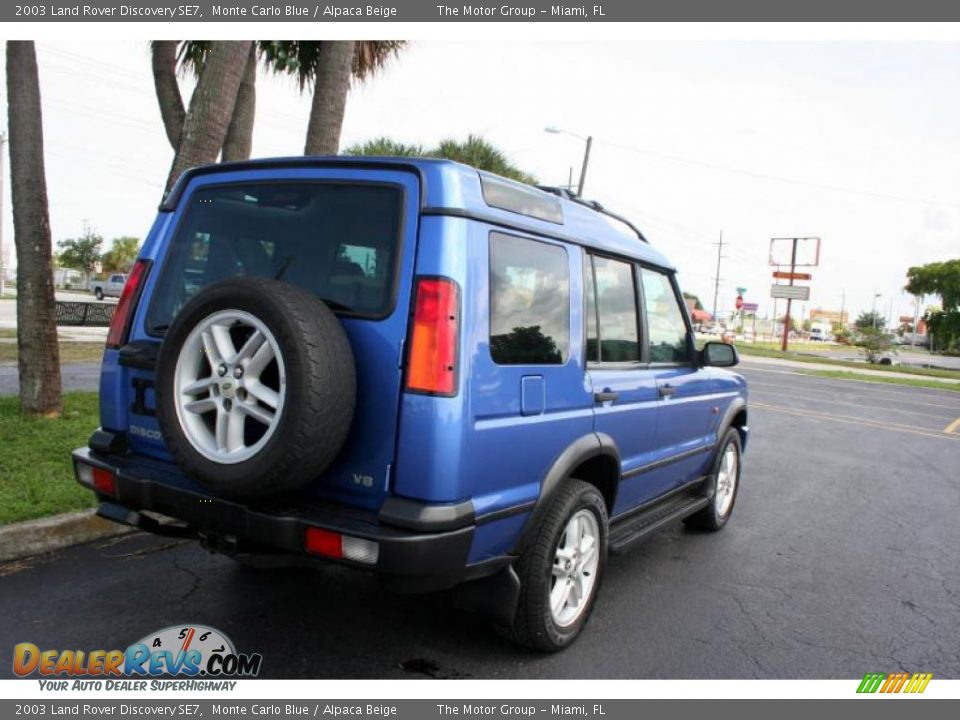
896 427
953 427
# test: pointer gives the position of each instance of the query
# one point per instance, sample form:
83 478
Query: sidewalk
66 333
748 360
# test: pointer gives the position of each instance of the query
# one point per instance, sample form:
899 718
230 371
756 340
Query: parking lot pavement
842 557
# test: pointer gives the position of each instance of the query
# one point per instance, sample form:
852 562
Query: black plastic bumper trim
667 461
108 442
413 561
506 512
424 517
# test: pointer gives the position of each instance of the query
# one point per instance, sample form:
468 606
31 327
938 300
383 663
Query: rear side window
529 302
612 334
666 326
339 241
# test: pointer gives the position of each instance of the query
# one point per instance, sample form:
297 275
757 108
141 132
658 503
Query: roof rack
593 205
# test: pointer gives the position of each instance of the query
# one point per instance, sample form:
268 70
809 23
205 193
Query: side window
666 327
616 311
529 302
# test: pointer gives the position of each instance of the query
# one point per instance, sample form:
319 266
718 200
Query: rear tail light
432 362
97 478
122 316
334 545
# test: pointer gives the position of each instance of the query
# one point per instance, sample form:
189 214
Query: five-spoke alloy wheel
560 568
255 387
230 386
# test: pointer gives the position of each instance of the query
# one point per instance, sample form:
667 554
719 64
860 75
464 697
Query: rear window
338 241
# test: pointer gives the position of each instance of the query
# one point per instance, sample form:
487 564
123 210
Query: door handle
666 390
605 396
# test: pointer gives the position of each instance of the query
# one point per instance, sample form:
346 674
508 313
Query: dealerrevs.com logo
191 651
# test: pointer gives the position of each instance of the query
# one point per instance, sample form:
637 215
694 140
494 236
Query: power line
780 178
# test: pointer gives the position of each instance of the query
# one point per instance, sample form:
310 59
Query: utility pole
843 304
716 284
3 269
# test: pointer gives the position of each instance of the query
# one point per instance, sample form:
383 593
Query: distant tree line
84 253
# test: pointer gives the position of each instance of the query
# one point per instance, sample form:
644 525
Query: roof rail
593 205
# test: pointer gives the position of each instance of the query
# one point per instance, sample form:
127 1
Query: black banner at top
520 11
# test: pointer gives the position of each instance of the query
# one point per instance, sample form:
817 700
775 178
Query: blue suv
416 368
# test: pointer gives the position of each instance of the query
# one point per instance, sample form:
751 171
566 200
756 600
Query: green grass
761 351
69 352
911 382
36 475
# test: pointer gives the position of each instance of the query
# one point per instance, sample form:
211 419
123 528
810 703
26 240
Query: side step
636 527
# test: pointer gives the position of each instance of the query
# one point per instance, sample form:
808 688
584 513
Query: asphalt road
73 376
842 557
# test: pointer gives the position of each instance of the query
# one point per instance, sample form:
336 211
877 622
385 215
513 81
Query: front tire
724 483
561 570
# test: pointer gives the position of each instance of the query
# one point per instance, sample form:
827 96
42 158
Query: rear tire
723 485
98 293
247 423
547 619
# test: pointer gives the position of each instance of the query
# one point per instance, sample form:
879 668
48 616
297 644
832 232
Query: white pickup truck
111 286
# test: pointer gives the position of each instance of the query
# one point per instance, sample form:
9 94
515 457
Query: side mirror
719 354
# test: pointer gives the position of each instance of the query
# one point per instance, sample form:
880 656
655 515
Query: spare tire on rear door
255 387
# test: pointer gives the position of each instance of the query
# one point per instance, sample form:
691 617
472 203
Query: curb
34 537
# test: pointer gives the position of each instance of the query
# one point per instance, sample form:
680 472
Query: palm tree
328 73
191 56
481 154
328 66
386 147
39 355
211 107
163 61
473 151
331 86
239 140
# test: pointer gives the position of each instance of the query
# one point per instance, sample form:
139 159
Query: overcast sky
854 142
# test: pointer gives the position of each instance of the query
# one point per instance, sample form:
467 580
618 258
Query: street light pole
586 152
583 168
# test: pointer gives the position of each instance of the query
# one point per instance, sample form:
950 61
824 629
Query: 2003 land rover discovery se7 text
416 368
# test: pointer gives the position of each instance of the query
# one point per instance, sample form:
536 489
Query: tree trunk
330 90
211 107
240 133
39 355
164 61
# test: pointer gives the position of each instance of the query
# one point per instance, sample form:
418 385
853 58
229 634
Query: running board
631 530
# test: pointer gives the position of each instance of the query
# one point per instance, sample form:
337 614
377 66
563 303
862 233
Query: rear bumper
408 559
